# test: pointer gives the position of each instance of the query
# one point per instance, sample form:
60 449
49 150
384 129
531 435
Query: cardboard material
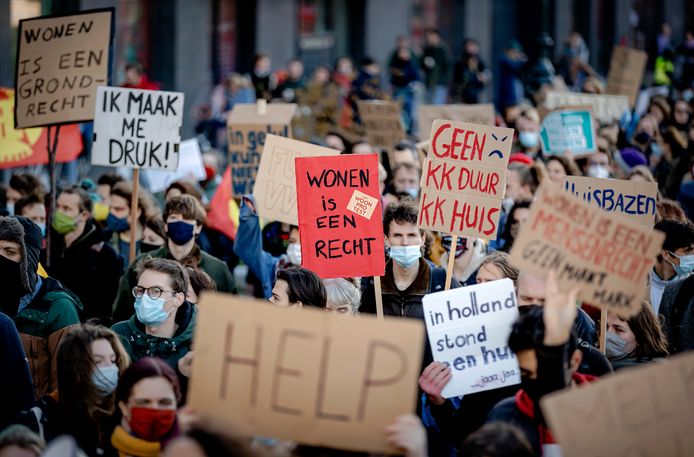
606 108
482 114
634 200
137 128
468 330
568 130
301 374
336 242
275 185
644 412
248 124
626 72
382 123
463 178
61 60
190 167
607 255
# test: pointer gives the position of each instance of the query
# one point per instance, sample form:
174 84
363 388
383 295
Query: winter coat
677 311
17 389
436 63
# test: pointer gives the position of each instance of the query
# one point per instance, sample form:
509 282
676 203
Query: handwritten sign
275 185
382 123
247 128
626 72
569 130
606 255
137 128
482 114
633 199
605 108
336 242
302 375
468 330
645 412
463 179
190 167
60 62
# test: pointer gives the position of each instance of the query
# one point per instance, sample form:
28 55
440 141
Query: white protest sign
137 128
190 167
468 329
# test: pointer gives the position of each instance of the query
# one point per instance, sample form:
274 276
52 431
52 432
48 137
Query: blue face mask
105 379
405 256
180 232
150 311
686 265
116 224
528 139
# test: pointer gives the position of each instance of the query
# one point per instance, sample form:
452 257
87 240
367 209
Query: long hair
77 393
651 341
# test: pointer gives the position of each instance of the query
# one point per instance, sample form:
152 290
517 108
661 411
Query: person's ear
575 362
124 410
180 298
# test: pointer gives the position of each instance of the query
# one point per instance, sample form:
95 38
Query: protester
404 76
675 260
298 287
203 442
33 208
634 340
22 185
294 81
184 217
510 91
147 396
497 439
528 127
406 178
470 74
81 259
496 266
118 220
154 235
559 167
16 389
20 441
90 360
199 282
42 309
343 295
436 62
516 218
469 254
405 152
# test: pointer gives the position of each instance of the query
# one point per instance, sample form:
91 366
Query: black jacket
89 267
16 387
677 310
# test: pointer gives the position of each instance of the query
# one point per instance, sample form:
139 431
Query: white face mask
294 254
598 171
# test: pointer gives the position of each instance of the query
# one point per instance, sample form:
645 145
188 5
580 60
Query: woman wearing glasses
164 321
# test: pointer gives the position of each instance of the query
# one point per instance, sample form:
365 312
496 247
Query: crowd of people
98 345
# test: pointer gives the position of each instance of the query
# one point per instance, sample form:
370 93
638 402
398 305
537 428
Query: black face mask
532 388
146 247
12 291
642 138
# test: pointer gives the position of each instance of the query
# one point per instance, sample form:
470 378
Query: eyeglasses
153 292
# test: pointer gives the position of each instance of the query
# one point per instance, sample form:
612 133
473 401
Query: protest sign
302 374
248 124
626 72
60 62
568 130
190 167
468 330
482 114
605 108
463 179
275 185
137 128
644 98
645 412
632 199
338 238
26 147
607 255
382 123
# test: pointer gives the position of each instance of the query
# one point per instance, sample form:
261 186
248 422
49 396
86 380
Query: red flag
223 214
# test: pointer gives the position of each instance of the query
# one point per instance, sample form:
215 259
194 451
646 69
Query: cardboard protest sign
605 108
644 412
190 167
569 130
626 72
632 199
341 228
60 62
468 330
463 178
247 128
482 114
275 185
137 128
382 123
302 375
607 255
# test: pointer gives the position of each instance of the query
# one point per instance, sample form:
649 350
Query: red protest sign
339 222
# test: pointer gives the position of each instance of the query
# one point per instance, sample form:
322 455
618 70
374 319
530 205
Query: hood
185 318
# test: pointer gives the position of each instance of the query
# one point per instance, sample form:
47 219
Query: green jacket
42 324
139 344
123 306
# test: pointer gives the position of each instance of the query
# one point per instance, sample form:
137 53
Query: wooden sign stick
451 261
603 330
133 213
379 297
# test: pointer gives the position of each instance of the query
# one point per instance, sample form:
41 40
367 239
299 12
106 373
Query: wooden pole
52 148
133 213
379 297
451 261
603 330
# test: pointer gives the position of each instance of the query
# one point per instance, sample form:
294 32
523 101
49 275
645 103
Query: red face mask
151 424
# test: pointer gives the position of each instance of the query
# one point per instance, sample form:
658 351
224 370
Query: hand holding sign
433 379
